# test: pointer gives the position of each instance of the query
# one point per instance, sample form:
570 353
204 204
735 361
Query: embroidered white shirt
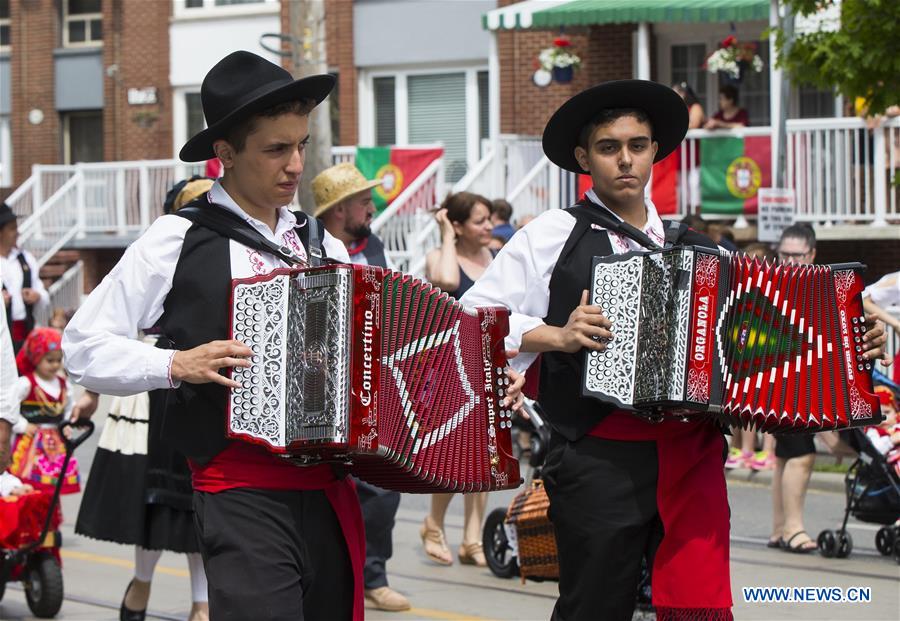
102 352
519 276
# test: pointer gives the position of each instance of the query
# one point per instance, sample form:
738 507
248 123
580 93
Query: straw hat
334 184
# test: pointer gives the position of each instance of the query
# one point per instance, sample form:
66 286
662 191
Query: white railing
54 223
402 224
841 171
66 293
41 185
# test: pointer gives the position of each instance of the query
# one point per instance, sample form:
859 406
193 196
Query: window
815 103
754 91
4 25
687 66
385 111
484 117
83 136
437 113
334 110
194 114
82 23
5 153
199 4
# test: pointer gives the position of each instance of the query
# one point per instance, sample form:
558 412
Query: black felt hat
239 86
6 214
666 110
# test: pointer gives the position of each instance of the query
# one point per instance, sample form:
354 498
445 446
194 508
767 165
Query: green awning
592 12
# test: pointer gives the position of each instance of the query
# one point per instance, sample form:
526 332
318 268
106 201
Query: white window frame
5 153
366 109
179 116
65 121
87 18
210 10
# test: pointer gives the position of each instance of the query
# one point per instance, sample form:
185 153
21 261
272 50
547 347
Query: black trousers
379 508
603 508
273 555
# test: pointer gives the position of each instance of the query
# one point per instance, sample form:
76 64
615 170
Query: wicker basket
534 532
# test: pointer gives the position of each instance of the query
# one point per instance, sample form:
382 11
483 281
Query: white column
774 95
497 182
643 51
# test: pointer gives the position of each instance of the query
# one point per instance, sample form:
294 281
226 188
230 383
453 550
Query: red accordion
770 345
377 369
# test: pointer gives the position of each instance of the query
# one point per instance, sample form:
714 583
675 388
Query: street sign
776 212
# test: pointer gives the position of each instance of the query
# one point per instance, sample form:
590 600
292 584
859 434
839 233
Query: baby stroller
29 549
872 495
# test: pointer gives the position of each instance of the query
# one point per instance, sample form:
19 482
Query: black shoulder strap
608 221
311 237
26 269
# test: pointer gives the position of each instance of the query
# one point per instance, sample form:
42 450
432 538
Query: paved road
96 573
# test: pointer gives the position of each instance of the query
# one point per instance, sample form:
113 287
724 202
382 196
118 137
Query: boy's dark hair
236 135
695 221
802 231
730 91
607 116
502 209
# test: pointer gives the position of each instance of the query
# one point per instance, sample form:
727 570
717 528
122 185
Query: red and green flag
731 172
394 167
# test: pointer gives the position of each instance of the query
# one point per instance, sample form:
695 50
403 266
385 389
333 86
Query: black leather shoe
126 614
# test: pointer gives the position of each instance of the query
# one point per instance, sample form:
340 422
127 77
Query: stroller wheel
897 550
884 540
497 549
827 543
845 544
44 586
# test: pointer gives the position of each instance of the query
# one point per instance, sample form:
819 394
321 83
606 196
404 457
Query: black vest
569 413
196 312
26 284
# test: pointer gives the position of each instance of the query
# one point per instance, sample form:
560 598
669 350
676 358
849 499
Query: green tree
860 59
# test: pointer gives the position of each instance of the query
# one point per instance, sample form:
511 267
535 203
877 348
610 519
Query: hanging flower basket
734 60
560 60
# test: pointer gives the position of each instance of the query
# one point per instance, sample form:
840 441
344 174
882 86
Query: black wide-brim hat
6 214
664 107
241 85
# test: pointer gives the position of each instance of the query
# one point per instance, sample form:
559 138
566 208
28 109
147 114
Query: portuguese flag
395 167
731 172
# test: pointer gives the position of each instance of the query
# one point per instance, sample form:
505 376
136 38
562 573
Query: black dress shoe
126 614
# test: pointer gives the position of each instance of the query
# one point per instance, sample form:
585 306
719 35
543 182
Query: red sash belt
691 576
245 465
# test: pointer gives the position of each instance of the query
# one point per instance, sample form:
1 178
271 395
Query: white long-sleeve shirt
12 276
102 352
9 406
519 276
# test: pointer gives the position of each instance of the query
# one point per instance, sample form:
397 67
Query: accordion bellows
774 346
376 369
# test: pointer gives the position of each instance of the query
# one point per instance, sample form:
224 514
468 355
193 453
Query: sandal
472 554
777 542
434 543
801 548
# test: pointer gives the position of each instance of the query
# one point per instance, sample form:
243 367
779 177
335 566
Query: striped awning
517 16
550 14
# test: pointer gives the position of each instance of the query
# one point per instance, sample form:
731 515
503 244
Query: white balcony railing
65 293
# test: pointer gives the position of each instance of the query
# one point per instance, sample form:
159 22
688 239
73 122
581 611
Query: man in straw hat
278 542
619 487
344 204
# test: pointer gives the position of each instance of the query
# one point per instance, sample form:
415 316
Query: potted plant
733 59
560 60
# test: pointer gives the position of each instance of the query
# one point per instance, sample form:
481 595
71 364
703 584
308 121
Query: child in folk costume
886 436
46 399
620 487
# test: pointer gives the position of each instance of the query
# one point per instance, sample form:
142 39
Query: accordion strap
233 227
602 216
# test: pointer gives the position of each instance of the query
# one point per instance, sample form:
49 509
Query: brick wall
34 35
136 41
605 53
339 52
880 256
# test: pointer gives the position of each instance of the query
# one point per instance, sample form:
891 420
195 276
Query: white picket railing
54 223
66 293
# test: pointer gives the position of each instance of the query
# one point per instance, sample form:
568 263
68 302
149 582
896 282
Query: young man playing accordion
278 541
620 487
